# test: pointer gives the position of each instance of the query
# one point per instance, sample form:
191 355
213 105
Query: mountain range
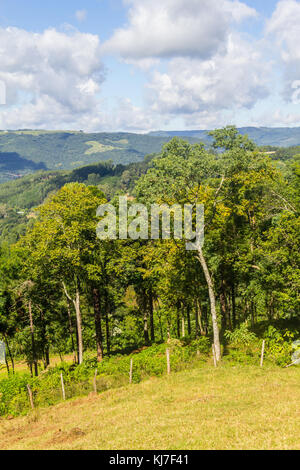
26 151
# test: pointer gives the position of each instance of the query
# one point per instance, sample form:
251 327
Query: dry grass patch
227 408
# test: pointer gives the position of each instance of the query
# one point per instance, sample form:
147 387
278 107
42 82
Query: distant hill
20 196
26 151
273 136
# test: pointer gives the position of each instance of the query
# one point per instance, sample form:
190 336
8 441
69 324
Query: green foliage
279 345
242 336
63 291
229 138
200 345
26 151
19 197
112 372
13 396
242 356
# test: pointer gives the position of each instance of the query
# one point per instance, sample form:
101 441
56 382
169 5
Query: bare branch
66 292
215 201
287 204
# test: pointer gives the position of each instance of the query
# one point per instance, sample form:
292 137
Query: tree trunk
146 332
45 344
178 320
212 304
79 326
76 303
7 365
98 327
252 314
47 356
226 320
36 372
107 324
71 331
188 320
233 305
9 353
196 320
151 315
200 322
145 313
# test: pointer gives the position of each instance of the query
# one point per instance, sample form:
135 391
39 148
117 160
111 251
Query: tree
64 239
187 173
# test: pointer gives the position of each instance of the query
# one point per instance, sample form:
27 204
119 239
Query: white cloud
51 77
239 11
131 118
201 71
81 15
277 118
176 28
234 80
284 27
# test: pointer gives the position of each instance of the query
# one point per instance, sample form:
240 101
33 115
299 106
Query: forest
25 151
65 292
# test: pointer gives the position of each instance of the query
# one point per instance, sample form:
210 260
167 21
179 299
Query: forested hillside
23 152
279 137
65 291
20 196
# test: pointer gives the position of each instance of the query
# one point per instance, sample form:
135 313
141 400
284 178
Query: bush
279 345
13 395
78 379
202 344
241 336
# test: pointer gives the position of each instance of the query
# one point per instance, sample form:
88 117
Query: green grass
241 407
97 147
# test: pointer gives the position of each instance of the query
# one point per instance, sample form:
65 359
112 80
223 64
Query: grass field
204 408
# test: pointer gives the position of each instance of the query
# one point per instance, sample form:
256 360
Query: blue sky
140 65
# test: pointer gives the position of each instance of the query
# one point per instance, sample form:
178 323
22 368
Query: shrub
202 344
241 336
279 345
112 372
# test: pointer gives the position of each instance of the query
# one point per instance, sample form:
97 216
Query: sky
144 65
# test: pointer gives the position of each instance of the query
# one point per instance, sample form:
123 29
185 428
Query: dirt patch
60 436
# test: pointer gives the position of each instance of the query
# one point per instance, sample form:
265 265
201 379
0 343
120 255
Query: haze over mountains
27 151
274 136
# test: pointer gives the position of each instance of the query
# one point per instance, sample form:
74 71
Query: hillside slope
23 152
227 408
278 137
20 196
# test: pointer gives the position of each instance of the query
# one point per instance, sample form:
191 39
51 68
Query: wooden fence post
214 355
30 396
262 353
168 362
130 371
95 381
62 386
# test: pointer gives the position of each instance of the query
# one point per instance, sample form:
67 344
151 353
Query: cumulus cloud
284 27
199 69
277 118
176 28
126 116
235 79
50 77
